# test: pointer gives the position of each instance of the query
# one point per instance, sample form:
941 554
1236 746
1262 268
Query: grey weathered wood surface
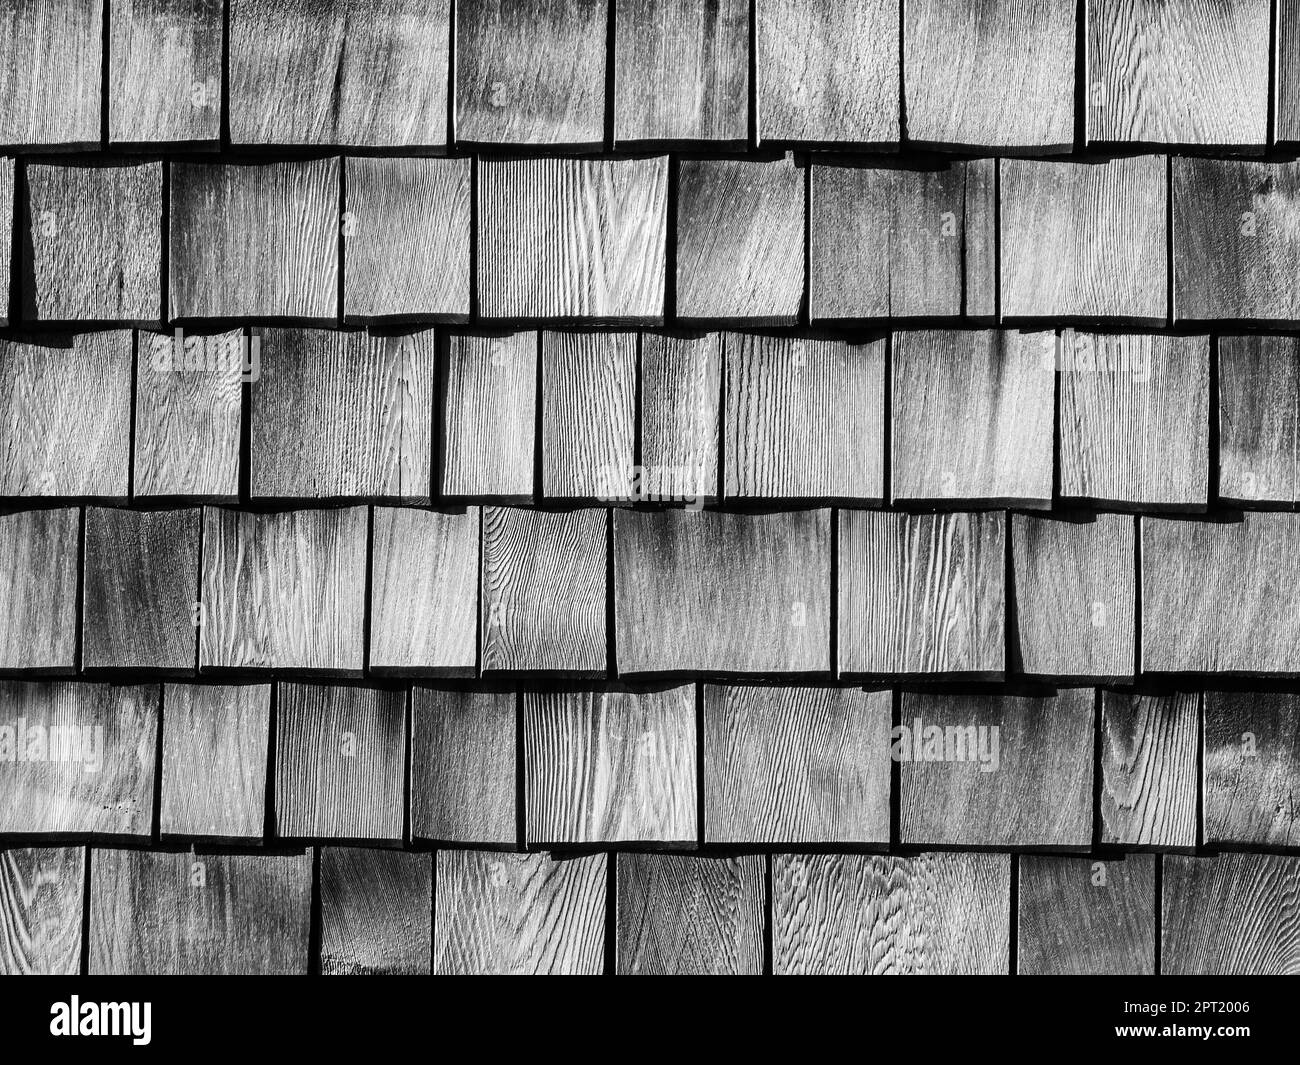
51 77
1075 596
164 71
1259 419
376 912
722 593
679 915
214 760
406 238
796 765
339 762
542 599
740 238
572 238
283 590
42 894
1148 789
8 179
39 553
860 914
343 415
679 417
94 776
424 590
140 576
1134 419
681 70
521 914
827 71
1286 124
610 767
254 241
163 914
1040 794
804 419
1251 769
972 417
921 593
463 766
1086 916
1105 223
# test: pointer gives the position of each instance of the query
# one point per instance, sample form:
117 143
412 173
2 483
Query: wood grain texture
1236 240
154 913
7 185
77 758
339 762
1075 595
972 416
531 71
827 70
489 417
518 914
995 74
284 590
572 238
164 71
1286 125
610 767
681 71
921 593
257 241
354 72
679 417
214 760
1259 419
1105 223
859 914
1218 597
343 415
65 416
39 562
588 436
542 602
1186 72
1029 784
740 239
1251 769
722 593
463 766
1148 770
189 415
424 590
1231 915
376 912
50 79
796 765
1134 419
805 419
406 236
686 916
889 242
140 573
41 907
1086 917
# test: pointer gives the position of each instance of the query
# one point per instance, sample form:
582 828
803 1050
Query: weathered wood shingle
39 563
42 891
1259 420
679 419
50 78
1286 125
376 912
1252 769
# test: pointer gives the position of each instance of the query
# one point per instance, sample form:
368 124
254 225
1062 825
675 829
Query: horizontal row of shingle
992 73
386 912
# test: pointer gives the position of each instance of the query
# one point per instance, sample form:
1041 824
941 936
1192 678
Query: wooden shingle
680 397
376 912
154 913
740 236
1286 125
51 77
996 771
805 419
39 563
8 180
254 241
859 914
42 891
796 765
1259 420
1251 768
524 914
1084 240
339 762
679 915
572 238
283 590
610 767
722 593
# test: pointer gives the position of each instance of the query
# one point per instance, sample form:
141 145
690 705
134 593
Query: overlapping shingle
679 417
50 79
1251 769
376 912
42 891
1148 770
39 552
1259 420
